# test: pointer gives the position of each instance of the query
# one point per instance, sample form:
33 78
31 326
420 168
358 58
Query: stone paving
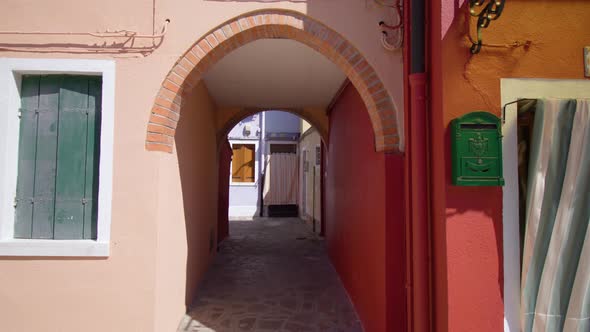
271 275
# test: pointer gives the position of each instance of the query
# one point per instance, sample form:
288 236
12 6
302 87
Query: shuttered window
243 162
57 184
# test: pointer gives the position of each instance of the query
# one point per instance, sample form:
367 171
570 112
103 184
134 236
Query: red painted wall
467 222
356 216
225 155
395 244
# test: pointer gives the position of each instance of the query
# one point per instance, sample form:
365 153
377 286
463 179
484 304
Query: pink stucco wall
143 285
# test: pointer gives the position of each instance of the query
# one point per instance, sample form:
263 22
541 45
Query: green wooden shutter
27 158
58 157
92 157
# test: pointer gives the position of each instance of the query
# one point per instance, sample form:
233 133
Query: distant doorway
281 188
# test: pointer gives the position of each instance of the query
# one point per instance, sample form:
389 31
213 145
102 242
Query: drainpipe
262 163
419 248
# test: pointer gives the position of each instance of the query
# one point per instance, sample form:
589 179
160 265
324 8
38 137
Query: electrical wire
398 10
392 47
396 29
125 46
514 44
106 34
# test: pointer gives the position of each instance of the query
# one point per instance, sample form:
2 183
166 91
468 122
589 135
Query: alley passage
271 275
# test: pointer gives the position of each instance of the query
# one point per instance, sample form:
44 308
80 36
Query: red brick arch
267 24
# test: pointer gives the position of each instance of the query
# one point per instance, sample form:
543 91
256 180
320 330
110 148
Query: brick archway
268 24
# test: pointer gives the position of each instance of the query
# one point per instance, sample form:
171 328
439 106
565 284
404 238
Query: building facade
310 178
252 141
113 130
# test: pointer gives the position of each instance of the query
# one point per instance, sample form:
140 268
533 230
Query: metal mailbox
476 143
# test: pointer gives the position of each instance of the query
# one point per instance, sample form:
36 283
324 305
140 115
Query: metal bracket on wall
510 103
490 12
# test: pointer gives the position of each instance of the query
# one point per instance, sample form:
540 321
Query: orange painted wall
355 208
467 222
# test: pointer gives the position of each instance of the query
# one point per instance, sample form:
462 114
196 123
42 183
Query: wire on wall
122 41
525 44
392 35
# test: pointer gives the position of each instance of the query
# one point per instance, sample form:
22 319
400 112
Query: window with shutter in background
57 184
243 162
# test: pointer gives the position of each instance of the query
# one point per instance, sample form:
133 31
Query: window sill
54 248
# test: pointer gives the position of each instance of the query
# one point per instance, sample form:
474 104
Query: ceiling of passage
274 73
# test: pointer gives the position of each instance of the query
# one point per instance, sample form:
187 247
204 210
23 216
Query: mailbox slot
479 126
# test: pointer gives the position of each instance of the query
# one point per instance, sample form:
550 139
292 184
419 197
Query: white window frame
256 165
11 71
511 90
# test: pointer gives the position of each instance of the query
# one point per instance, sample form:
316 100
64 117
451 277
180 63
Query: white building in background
310 190
253 140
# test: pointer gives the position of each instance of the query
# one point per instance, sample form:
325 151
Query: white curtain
281 179
555 292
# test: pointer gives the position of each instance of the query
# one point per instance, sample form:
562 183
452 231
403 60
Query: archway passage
286 284
271 24
316 117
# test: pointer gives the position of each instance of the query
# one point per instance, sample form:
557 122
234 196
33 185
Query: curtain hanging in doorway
555 292
281 179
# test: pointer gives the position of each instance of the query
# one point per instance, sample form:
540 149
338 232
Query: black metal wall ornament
491 11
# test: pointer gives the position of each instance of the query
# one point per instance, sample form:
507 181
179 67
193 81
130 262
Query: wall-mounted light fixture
486 11
246 130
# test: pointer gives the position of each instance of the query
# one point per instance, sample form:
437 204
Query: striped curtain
555 292
281 179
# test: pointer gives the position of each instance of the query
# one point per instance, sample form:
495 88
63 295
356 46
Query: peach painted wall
355 209
187 235
141 286
467 221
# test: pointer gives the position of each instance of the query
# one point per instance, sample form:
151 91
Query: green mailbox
477 150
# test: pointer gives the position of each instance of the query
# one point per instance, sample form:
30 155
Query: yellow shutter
243 163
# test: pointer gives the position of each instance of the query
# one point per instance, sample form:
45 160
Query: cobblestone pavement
271 275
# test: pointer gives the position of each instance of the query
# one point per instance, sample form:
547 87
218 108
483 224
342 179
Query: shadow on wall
198 166
261 1
225 157
477 206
